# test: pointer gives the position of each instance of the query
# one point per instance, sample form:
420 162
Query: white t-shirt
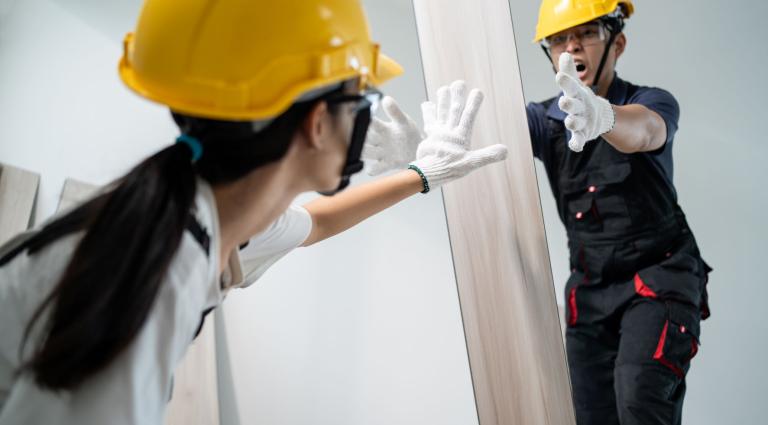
135 387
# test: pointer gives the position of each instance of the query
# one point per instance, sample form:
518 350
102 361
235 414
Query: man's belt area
668 228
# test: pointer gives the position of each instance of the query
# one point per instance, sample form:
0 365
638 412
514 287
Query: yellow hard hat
248 59
559 15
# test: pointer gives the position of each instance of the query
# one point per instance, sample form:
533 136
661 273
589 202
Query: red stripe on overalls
659 354
574 310
642 289
572 304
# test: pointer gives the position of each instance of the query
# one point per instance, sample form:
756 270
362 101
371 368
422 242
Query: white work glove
391 145
589 115
445 154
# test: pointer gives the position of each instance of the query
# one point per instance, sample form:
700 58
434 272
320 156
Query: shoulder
539 109
193 272
284 235
650 95
658 100
539 114
293 226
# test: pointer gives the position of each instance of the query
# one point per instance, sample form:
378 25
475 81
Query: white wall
712 57
63 109
364 328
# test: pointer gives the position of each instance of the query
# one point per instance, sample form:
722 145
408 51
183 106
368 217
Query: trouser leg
656 345
592 351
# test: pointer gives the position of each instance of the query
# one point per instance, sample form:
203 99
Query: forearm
333 215
636 129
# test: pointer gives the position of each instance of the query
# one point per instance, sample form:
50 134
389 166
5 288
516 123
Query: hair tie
194 145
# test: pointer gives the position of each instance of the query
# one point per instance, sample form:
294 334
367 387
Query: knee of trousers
647 386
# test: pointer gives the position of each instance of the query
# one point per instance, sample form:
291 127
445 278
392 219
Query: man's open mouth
581 70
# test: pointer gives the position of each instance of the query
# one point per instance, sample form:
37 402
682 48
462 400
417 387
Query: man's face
586 43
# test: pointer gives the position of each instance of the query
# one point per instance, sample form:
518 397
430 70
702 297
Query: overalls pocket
679 338
595 202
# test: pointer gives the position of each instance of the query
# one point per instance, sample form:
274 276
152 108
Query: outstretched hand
589 115
446 153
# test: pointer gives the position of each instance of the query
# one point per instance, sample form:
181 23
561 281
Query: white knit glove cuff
606 116
436 172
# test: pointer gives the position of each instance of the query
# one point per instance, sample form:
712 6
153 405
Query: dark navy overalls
637 288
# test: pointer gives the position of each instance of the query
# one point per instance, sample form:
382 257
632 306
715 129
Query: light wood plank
195 390
18 191
74 192
496 228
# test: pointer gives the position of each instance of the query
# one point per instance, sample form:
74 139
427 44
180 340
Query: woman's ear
315 125
621 44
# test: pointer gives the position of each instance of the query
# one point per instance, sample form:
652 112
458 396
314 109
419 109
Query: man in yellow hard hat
637 290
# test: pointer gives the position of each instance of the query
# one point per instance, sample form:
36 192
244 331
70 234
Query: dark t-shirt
619 93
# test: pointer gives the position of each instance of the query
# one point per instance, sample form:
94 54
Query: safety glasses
366 104
589 34
370 99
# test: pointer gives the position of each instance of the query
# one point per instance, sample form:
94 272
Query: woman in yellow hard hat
637 289
272 99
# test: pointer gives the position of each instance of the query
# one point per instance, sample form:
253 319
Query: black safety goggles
367 103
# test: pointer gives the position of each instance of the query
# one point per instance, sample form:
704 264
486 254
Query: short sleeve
287 233
663 103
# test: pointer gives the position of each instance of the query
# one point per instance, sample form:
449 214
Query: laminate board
502 267
73 192
18 191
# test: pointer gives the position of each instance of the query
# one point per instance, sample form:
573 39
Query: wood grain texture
74 192
503 273
18 191
195 391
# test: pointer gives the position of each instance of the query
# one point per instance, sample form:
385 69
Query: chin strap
604 59
614 23
546 52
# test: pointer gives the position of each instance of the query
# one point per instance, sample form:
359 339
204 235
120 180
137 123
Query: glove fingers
575 123
571 105
376 167
487 155
377 126
569 84
577 141
372 152
458 97
467 121
428 114
374 139
443 103
394 112
567 66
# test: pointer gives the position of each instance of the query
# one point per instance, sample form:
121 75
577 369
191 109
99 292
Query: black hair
131 234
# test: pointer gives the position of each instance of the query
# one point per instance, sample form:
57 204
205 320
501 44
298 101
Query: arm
636 129
443 156
629 128
333 215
